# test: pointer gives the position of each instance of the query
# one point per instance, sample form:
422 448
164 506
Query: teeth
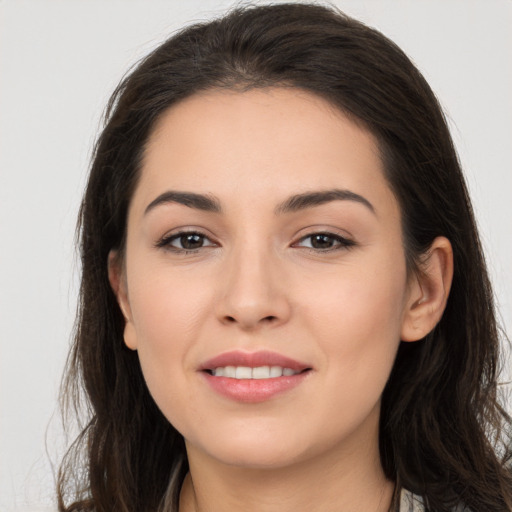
229 371
262 372
243 372
276 371
246 372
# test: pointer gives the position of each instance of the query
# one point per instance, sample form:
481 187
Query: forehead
261 142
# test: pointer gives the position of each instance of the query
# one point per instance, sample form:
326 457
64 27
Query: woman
284 302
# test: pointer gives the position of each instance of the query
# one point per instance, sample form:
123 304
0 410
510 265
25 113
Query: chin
257 458
251 449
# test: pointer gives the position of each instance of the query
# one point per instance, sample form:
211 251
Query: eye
185 241
325 242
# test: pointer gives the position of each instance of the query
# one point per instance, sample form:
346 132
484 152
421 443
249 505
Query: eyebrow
204 202
209 203
310 199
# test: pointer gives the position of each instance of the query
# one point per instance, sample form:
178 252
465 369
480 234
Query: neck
341 480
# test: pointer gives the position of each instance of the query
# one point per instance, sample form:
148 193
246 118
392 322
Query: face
264 282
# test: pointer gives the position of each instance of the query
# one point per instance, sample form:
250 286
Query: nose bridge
253 292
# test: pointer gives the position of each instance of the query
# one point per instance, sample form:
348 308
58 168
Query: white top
410 502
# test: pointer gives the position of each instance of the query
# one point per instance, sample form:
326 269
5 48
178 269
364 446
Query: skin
258 284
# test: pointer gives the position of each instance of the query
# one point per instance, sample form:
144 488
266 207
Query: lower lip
253 390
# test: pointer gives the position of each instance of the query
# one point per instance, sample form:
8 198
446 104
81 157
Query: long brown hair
443 434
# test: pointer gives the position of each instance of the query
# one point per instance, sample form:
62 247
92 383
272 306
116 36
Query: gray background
59 60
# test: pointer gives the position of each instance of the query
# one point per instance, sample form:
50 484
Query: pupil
192 241
321 242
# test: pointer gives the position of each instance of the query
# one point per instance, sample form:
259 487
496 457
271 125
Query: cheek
167 308
168 313
359 321
356 323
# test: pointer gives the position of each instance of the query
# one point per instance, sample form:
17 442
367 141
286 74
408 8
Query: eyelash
341 242
166 241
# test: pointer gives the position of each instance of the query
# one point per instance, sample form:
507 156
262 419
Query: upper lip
253 360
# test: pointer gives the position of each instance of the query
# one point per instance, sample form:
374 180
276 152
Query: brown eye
322 241
185 241
325 242
191 241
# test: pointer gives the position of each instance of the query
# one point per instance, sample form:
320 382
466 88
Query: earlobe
118 284
428 291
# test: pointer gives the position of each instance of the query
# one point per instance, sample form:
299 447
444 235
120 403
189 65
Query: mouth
253 377
258 373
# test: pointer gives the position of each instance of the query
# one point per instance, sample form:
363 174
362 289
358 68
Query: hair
443 433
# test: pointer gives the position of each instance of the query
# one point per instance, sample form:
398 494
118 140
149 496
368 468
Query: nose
252 291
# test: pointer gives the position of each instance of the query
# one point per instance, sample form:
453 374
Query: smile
253 377
246 372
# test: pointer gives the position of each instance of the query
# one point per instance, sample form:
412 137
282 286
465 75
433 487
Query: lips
253 377
253 360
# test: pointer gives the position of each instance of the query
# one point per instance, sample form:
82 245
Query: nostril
266 319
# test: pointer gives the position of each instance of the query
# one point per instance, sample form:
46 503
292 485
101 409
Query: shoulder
410 502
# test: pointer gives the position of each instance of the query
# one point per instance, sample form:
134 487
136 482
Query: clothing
409 502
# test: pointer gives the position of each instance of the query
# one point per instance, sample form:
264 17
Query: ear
117 279
428 292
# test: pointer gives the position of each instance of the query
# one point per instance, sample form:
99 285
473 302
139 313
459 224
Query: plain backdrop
59 61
